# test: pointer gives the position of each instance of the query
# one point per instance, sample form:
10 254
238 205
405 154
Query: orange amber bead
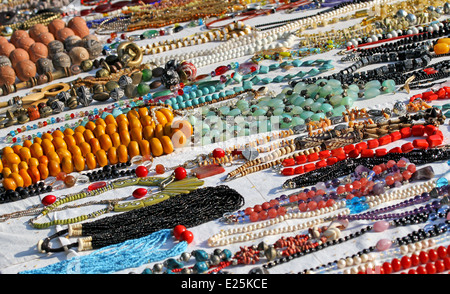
441 48
25 177
101 157
68 131
33 161
85 148
23 165
43 171
47 146
132 114
143 111
122 126
168 129
136 134
115 138
160 169
9 184
54 168
25 154
59 142
27 143
80 129
47 136
122 153
43 159
70 141
99 130
159 131
17 148
133 149
109 119
135 123
67 164
78 162
37 140
12 158
105 142
167 113
144 146
52 156
75 150
100 122
14 168
121 117
17 179
6 172
90 125
111 129
62 152
160 118
7 150
95 145
148 132
88 135
156 147
125 138
58 133
146 120
167 144
112 155
79 138
1 166
35 176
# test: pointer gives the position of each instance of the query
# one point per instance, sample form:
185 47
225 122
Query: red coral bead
178 230
48 200
141 171
218 153
187 236
139 193
180 173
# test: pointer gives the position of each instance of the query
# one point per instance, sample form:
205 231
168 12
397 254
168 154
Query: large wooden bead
71 42
36 30
79 26
55 47
37 51
25 43
46 38
17 35
7 75
18 55
25 70
6 48
64 33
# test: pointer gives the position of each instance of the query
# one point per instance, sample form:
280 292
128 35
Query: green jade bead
371 93
147 75
143 89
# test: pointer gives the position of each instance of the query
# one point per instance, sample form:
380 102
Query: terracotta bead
47 146
37 51
167 144
55 25
78 55
136 134
25 177
125 137
122 153
112 155
79 138
156 147
18 55
78 162
43 171
79 26
6 49
62 34
59 142
9 184
90 161
3 40
95 145
17 35
144 147
25 70
85 148
25 43
46 38
115 138
101 157
148 132
7 75
67 164
35 176
36 30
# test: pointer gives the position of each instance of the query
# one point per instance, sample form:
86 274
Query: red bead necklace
325 158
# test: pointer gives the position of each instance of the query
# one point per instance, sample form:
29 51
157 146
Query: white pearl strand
247 231
249 44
